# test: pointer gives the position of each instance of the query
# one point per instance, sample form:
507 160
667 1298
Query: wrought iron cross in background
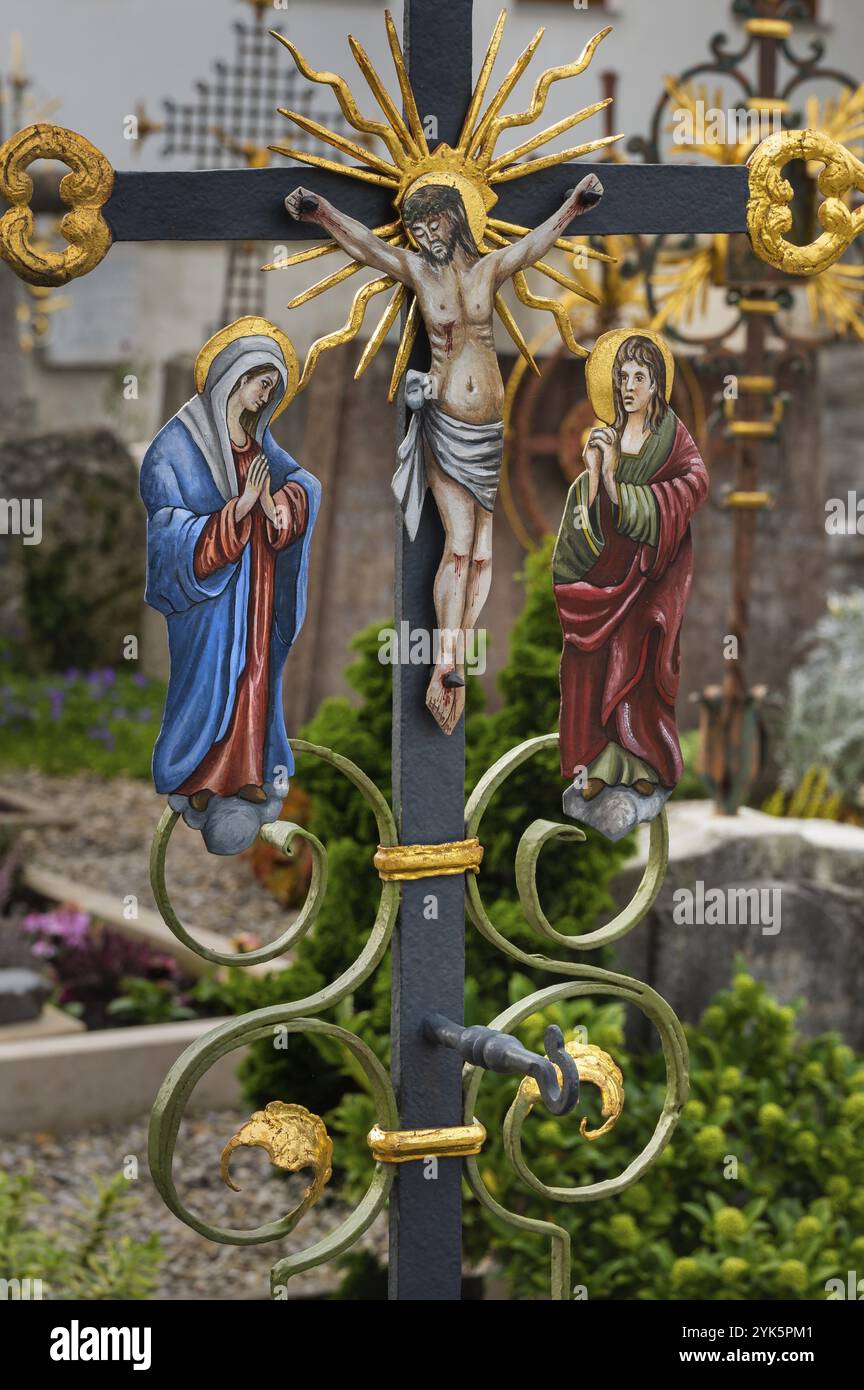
235 115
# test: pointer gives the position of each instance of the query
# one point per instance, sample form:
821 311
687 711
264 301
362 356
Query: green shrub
144 1001
760 1194
691 787
80 1256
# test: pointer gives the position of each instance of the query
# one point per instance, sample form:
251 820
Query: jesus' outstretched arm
535 245
354 237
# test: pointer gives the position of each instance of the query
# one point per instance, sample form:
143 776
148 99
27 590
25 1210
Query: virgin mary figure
622 569
229 525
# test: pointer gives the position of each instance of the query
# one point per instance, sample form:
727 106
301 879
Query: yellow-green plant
812 799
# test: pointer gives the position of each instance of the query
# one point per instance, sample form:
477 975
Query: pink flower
63 924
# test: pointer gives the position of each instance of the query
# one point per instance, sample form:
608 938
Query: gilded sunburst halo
471 166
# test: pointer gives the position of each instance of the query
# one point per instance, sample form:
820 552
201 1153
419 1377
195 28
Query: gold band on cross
428 861
407 1145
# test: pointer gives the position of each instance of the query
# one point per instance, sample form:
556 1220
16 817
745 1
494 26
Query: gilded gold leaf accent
86 189
596 1066
294 1139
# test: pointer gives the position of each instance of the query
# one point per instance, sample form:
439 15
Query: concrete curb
62 1084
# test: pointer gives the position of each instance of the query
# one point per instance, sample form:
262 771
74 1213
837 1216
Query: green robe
580 541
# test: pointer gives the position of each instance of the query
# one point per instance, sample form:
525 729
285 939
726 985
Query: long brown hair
647 354
440 197
249 418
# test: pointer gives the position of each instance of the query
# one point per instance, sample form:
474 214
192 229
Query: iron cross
428 768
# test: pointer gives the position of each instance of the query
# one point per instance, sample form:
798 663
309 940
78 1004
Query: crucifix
460 398
429 845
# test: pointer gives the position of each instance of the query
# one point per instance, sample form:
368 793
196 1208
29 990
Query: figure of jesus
456 440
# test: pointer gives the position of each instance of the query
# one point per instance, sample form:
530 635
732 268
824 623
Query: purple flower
102 736
139 679
44 949
62 924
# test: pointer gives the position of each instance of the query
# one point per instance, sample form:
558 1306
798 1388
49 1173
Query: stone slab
59 1085
807 939
51 1023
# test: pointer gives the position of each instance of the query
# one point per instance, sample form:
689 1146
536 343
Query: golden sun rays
472 166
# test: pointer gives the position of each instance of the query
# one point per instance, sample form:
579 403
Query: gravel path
107 845
193 1267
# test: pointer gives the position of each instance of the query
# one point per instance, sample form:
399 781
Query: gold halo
598 368
250 327
475 207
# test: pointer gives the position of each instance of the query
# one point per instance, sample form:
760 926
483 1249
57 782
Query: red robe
620 666
237 759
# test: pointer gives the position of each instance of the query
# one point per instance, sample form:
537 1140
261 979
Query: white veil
205 415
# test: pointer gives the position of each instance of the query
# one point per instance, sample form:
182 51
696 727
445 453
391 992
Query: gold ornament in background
602 1071
86 189
472 166
684 276
294 1139
693 100
835 298
253 156
841 118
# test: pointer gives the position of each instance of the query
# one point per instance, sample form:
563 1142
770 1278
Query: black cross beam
428 768
247 204
428 796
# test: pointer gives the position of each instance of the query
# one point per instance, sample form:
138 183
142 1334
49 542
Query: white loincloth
469 454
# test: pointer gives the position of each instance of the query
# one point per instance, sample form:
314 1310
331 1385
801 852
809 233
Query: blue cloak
207 618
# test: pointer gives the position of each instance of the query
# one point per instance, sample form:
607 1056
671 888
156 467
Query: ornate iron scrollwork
290 1017
585 980
295 1138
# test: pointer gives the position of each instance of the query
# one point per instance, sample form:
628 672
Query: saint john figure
230 518
622 570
